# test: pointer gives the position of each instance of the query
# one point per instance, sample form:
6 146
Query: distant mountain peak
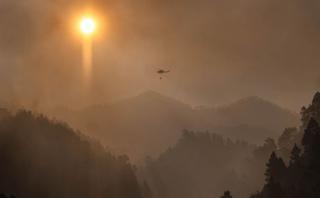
155 96
253 101
257 106
254 98
152 94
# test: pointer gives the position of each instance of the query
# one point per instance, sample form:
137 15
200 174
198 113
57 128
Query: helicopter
161 72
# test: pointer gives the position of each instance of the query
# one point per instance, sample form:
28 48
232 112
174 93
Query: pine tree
272 190
275 168
302 178
310 134
227 194
311 143
286 142
295 155
311 112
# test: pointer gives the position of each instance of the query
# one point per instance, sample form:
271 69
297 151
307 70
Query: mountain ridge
151 121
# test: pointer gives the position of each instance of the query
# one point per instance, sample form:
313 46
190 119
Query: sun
88 25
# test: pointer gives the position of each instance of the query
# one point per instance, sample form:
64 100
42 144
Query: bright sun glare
88 25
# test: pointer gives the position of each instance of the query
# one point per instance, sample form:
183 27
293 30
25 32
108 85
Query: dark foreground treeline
41 158
301 178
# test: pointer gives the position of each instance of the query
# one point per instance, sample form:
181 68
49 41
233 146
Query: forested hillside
201 165
150 122
44 158
301 176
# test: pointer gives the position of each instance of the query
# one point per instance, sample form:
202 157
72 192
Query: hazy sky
218 51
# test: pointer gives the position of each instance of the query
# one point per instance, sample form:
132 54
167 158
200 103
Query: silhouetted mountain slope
142 125
41 158
292 136
252 119
256 111
148 123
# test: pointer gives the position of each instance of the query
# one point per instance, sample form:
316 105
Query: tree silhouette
272 189
2 195
226 194
286 142
311 112
295 155
275 168
302 176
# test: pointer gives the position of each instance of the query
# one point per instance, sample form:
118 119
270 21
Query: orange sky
218 51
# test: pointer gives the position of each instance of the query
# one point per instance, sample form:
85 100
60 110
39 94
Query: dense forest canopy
44 158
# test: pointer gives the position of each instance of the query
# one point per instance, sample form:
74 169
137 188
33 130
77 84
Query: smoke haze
189 98
217 51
